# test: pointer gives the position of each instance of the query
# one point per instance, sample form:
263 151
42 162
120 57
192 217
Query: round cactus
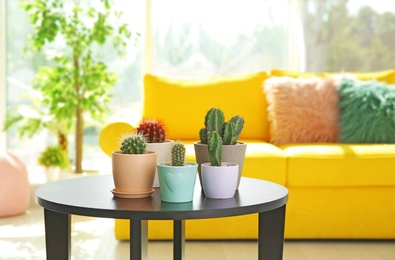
133 144
153 130
178 154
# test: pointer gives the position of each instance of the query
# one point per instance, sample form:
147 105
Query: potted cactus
155 134
133 168
219 179
177 178
231 150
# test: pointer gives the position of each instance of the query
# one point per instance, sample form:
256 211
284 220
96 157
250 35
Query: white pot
230 153
163 151
220 182
52 173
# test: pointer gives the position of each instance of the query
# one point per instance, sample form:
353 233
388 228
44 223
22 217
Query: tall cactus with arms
228 131
215 149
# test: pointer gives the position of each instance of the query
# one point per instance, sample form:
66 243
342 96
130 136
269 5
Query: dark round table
91 196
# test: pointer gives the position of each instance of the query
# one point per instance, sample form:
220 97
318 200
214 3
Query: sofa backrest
182 104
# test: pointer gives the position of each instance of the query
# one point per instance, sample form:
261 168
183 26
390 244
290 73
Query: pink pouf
14 185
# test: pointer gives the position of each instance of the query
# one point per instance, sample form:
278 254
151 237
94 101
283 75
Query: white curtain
2 75
212 38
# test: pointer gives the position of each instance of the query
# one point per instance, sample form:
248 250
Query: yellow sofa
336 191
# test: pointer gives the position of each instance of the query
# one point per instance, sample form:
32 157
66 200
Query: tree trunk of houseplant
79 139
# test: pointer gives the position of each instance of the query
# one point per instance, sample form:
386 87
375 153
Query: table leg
179 239
57 235
271 234
138 239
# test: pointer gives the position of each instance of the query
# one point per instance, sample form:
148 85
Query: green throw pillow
367 112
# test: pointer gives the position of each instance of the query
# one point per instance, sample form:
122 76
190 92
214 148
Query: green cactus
178 154
133 143
203 135
214 121
239 124
215 149
228 131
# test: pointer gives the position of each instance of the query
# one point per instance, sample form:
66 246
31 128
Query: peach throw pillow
302 110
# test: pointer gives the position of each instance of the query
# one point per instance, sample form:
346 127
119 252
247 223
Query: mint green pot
177 183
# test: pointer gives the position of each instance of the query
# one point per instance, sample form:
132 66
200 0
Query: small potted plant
229 132
133 168
53 158
177 178
154 131
219 179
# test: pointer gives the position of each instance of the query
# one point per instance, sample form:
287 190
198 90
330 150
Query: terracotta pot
220 182
230 153
133 174
163 151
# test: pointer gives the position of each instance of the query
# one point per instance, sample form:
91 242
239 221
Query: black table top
91 196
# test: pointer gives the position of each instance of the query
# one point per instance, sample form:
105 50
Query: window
348 35
20 71
187 38
213 38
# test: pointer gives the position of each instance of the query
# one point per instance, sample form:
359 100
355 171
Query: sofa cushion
340 165
367 112
263 160
183 104
302 110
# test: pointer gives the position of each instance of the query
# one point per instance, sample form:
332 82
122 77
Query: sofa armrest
122 122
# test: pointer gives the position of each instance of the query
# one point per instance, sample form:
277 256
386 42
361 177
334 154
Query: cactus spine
215 149
133 144
153 130
178 154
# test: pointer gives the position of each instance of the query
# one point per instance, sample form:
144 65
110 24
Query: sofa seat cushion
340 165
183 103
263 160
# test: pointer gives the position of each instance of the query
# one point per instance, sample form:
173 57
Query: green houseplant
77 85
177 178
133 168
53 158
228 132
155 132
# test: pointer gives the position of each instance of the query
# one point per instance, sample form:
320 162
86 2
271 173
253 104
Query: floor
22 237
